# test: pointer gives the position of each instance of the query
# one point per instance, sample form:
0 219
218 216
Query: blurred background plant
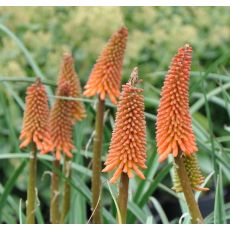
32 41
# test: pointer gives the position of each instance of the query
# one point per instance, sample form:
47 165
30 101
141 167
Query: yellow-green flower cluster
194 174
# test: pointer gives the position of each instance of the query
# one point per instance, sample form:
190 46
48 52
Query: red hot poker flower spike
174 126
68 73
35 122
127 149
61 122
105 77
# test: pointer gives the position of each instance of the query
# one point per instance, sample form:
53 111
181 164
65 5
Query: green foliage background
42 34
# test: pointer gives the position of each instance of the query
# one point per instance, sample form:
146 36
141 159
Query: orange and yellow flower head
127 151
105 78
61 122
174 126
35 122
68 73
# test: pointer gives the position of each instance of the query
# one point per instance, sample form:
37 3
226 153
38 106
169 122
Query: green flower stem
123 196
31 188
54 200
97 149
187 190
67 190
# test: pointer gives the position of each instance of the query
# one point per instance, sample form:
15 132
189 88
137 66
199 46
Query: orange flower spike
68 73
127 151
174 126
61 122
105 78
35 122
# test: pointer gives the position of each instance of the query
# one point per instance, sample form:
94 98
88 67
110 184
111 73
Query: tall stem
54 200
187 190
123 196
97 149
67 189
31 188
